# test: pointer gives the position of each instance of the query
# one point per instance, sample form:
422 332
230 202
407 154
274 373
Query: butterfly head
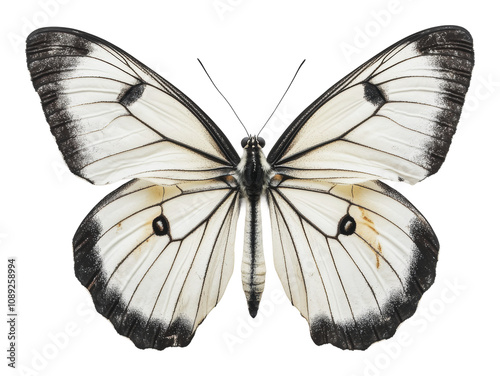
253 142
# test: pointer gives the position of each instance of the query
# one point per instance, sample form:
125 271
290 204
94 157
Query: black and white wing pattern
113 118
157 253
353 255
157 259
392 118
353 259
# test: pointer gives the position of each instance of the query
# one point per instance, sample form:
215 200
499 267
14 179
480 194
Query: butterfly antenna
283 96
213 83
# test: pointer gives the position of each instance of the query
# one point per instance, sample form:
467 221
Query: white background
251 49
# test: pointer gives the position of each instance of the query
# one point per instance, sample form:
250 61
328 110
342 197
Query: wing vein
383 258
317 268
213 250
295 249
363 274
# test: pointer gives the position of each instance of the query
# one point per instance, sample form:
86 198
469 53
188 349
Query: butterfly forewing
392 118
114 118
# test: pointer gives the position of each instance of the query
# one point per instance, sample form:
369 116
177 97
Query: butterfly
353 255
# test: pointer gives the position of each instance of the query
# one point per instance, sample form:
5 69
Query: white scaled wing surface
353 255
113 118
157 259
391 118
354 259
156 254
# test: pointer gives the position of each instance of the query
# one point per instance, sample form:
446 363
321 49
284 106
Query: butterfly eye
347 225
160 225
244 142
261 142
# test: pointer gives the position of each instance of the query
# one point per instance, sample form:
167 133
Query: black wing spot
161 226
347 225
373 94
131 96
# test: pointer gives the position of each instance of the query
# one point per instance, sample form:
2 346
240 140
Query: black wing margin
393 117
353 259
157 259
114 118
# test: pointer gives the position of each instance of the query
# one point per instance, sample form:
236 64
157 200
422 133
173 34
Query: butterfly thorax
253 168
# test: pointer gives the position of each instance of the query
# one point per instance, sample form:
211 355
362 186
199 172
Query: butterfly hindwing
157 259
391 118
114 118
354 259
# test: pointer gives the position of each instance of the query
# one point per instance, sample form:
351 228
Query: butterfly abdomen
253 176
253 268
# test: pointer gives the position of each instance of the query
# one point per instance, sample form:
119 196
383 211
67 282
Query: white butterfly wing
113 118
157 253
391 118
157 259
354 259
353 255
